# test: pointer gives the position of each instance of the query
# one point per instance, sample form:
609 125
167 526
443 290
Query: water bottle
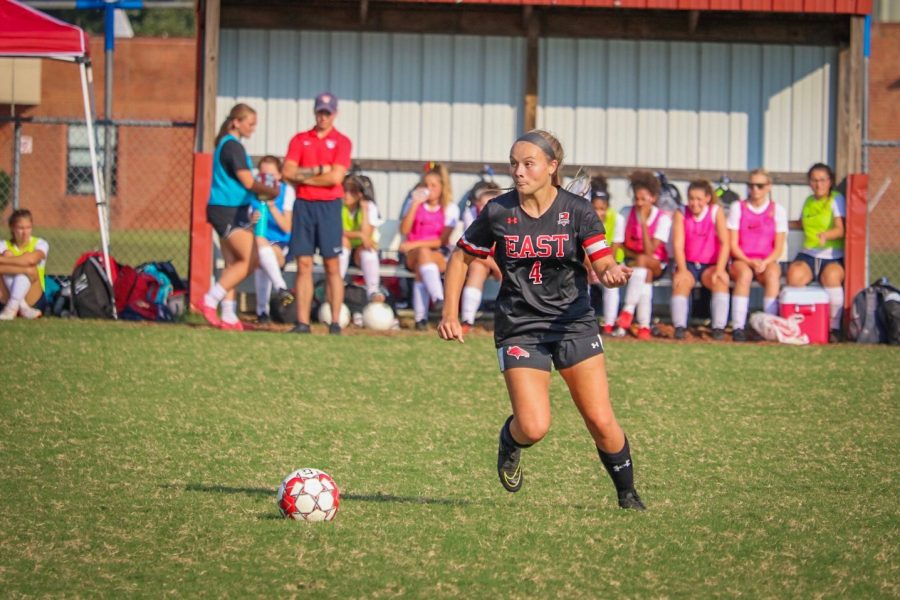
263 223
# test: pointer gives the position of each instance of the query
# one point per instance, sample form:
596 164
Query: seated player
360 244
273 236
481 268
614 226
22 261
822 256
701 248
644 239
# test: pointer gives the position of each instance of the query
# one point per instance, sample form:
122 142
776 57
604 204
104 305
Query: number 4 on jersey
535 274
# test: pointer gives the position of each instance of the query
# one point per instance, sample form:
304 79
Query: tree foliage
170 22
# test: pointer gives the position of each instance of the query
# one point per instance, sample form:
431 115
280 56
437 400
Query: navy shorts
317 224
562 354
696 269
817 265
226 219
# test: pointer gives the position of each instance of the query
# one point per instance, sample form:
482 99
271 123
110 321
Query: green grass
130 247
142 460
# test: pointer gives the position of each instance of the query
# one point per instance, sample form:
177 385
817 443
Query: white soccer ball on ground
325 314
378 316
308 495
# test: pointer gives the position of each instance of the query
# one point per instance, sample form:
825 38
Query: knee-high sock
471 300
610 305
431 277
679 305
719 309
739 306
645 306
420 301
770 305
835 305
368 261
344 257
634 288
18 288
263 291
215 295
268 262
620 467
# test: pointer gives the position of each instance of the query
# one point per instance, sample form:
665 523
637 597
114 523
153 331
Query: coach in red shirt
316 163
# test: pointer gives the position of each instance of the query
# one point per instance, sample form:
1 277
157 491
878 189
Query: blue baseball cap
326 101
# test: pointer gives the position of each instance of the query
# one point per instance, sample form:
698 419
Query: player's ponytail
239 112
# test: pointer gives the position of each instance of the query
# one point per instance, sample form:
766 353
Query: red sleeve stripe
471 248
593 240
596 247
594 256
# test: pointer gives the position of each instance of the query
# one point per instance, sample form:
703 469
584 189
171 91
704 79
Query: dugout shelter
695 88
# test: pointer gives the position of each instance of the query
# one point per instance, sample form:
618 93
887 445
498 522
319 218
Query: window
79 180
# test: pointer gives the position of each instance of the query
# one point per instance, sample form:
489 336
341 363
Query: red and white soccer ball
308 495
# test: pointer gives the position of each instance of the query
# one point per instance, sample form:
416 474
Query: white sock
739 306
634 289
719 309
645 306
368 260
610 305
471 300
19 288
344 256
679 305
229 312
263 292
770 305
215 295
431 277
268 262
835 305
420 301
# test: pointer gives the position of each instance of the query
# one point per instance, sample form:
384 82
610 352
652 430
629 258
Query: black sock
619 467
507 438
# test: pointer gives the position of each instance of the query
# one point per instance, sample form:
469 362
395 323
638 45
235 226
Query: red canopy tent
26 32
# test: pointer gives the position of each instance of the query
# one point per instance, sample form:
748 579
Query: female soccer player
615 228
701 247
822 256
360 244
543 316
228 211
427 225
644 240
758 229
22 260
272 245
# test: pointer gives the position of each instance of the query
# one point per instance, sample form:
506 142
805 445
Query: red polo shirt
309 150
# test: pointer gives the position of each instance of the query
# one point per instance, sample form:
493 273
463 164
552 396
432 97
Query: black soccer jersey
544 293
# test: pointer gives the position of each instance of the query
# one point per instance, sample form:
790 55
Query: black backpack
873 314
92 292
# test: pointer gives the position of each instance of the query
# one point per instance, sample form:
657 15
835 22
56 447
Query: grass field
141 460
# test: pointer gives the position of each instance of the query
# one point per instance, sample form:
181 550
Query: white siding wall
690 105
401 96
614 102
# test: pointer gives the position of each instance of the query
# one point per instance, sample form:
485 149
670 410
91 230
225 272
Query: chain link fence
884 209
45 167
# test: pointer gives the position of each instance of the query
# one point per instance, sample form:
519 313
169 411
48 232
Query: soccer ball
308 495
325 314
378 316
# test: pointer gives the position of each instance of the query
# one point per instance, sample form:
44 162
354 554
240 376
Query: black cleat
284 297
508 467
739 335
679 333
300 328
834 336
334 329
422 325
718 334
263 319
630 499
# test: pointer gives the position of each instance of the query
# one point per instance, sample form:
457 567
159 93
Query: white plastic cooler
812 303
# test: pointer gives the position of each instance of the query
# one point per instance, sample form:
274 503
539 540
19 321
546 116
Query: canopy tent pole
87 90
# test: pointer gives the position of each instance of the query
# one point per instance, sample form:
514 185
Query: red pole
855 239
201 233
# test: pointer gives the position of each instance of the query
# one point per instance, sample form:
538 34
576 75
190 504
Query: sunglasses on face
758 186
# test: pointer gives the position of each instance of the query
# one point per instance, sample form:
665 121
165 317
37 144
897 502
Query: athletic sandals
630 499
